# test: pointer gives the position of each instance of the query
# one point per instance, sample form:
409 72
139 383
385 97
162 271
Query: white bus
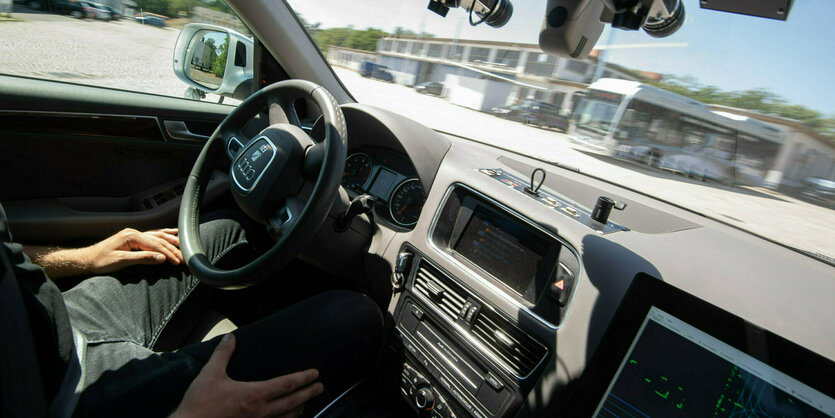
648 125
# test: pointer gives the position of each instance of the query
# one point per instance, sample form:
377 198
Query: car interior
510 286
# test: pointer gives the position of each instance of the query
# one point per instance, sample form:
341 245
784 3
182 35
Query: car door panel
79 161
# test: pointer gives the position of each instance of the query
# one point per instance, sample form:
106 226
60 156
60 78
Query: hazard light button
561 285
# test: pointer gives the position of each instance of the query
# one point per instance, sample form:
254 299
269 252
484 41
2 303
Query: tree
401 31
218 5
162 7
177 6
219 66
346 37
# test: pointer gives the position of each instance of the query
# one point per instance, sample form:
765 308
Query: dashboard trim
496 289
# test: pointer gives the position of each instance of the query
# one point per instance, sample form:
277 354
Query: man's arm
128 247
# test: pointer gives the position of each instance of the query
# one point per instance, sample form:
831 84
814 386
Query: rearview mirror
214 59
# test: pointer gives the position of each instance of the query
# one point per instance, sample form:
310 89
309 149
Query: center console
475 344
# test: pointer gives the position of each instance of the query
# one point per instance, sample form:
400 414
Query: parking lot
127 55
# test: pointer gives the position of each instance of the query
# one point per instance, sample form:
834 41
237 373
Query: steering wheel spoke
285 216
314 157
235 143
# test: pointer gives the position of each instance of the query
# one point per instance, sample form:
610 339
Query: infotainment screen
515 254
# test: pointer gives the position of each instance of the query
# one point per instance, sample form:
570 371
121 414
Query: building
349 58
127 7
517 71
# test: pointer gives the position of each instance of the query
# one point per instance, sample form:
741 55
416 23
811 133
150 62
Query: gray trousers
123 316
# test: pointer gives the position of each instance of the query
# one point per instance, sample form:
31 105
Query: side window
129 45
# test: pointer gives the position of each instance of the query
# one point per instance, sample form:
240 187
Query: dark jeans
122 317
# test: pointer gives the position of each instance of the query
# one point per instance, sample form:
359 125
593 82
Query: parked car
535 112
820 191
430 87
370 69
150 19
96 11
115 13
76 9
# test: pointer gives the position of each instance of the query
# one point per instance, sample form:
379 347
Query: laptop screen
673 369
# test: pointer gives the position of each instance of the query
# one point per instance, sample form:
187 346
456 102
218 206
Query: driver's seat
192 327
212 324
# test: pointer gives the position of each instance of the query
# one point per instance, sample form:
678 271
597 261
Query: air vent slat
454 297
528 352
518 362
449 312
447 306
493 326
485 337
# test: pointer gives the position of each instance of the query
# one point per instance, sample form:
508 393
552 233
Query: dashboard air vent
514 347
443 292
520 352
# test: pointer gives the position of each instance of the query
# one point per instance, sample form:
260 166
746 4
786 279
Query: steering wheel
280 178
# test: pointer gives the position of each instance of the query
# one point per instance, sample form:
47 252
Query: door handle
177 129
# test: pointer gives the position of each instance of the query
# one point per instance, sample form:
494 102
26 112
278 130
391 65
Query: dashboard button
561 285
463 313
493 381
425 399
411 347
471 314
417 312
551 201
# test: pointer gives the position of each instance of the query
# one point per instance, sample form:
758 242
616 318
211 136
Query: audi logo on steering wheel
246 168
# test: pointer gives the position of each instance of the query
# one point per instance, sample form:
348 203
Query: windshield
595 115
729 117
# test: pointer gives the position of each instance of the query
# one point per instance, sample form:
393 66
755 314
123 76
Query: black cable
470 15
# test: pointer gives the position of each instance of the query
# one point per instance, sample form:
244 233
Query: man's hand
127 248
130 247
214 394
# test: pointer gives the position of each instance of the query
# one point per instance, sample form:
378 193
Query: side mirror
214 59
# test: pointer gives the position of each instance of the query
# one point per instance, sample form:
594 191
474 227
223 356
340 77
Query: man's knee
222 237
356 306
353 312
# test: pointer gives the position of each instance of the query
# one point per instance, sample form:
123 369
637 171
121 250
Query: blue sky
794 59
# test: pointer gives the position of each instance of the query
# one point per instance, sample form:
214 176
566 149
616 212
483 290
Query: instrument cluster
390 178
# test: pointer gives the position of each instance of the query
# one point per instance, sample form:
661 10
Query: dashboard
500 298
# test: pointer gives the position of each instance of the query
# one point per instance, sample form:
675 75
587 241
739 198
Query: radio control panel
423 395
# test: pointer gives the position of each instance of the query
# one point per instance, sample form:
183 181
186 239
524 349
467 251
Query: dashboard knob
425 399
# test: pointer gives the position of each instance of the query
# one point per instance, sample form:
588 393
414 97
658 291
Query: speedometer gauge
357 171
406 202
